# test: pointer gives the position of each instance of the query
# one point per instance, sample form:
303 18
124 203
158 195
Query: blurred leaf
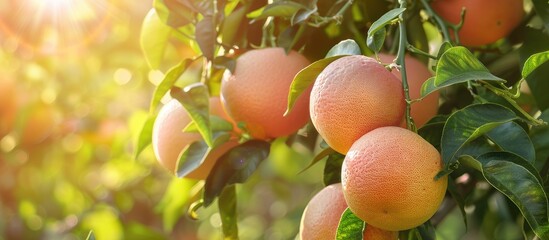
426 231
195 100
206 36
168 82
511 137
332 169
90 236
377 32
173 13
305 78
225 62
458 197
303 14
145 136
457 65
285 9
227 210
135 230
535 41
153 39
465 125
324 153
174 200
293 37
432 130
345 47
415 32
534 62
232 25
350 226
235 166
513 176
542 10
375 42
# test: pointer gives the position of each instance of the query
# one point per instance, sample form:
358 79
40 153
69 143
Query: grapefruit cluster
485 21
388 174
254 94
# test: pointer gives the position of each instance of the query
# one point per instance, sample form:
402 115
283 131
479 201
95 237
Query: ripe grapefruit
257 92
321 217
417 74
388 179
485 22
352 96
169 140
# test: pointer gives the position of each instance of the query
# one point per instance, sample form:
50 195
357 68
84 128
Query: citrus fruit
417 73
352 96
321 217
388 179
169 140
485 22
257 92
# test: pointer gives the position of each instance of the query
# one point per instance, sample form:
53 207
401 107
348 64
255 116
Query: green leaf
350 227
535 41
235 166
456 196
173 13
303 14
232 25
90 236
216 124
168 82
285 9
154 39
332 169
432 130
513 176
457 65
511 137
305 78
205 36
324 153
534 62
173 202
192 156
345 47
387 18
145 136
227 211
542 10
375 42
195 100
469 123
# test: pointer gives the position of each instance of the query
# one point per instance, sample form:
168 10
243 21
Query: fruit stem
403 43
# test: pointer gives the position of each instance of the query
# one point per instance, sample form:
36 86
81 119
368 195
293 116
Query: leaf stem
440 22
415 50
403 43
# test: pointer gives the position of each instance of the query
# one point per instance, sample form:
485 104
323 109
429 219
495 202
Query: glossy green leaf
145 136
305 78
534 62
542 10
511 137
228 212
235 166
153 39
387 18
432 130
457 65
469 123
375 42
350 227
535 41
303 14
192 156
206 35
196 101
168 82
513 176
332 169
285 9
345 47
